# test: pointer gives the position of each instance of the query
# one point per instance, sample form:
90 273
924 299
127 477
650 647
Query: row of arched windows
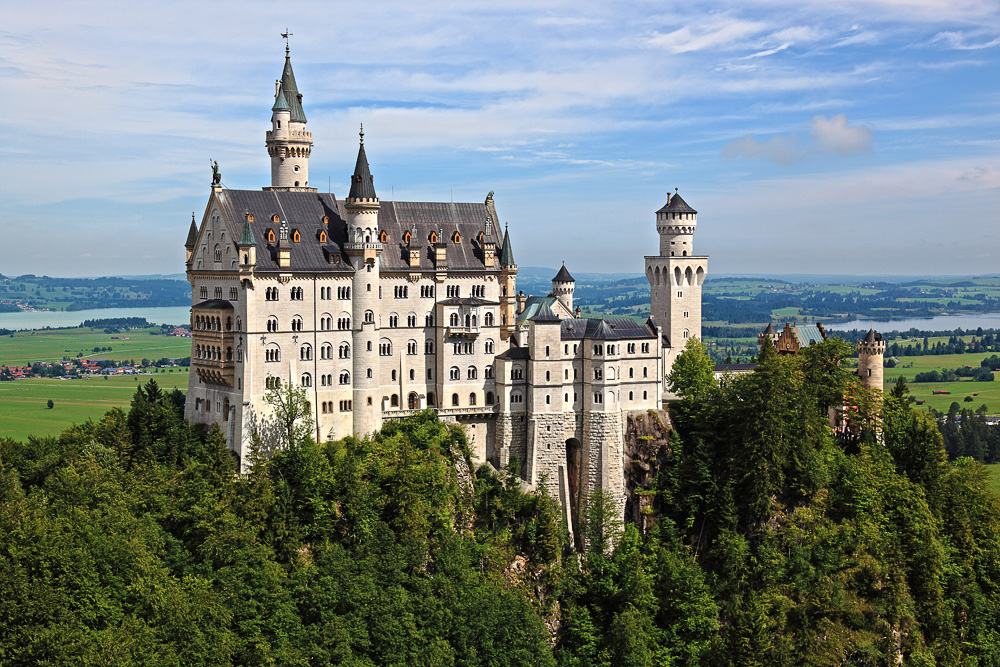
213 353
213 323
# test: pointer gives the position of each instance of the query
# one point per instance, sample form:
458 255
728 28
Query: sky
812 136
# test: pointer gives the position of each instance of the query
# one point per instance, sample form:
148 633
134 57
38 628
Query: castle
382 309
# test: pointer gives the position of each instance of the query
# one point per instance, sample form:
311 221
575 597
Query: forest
771 539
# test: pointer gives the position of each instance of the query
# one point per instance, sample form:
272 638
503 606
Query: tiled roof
217 304
515 353
563 276
467 301
676 205
770 331
246 238
362 183
544 314
280 103
611 328
192 238
506 252
304 211
808 335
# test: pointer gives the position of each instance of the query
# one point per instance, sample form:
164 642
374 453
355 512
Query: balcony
462 332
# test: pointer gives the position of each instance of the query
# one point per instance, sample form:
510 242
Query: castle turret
247 245
192 240
871 353
676 276
364 247
563 286
769 333
288 142
508 288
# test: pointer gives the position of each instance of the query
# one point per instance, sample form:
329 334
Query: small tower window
434 237
383 237
274 218
406 238
270 236
322 236
296 237
456 238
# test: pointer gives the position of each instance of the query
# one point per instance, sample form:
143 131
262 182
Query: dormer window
270 236
433 237
479 238
274 218
456 238
322 236
326 220
406 238
296 237
383 237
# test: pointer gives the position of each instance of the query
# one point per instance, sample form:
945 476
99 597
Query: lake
58 318
936 323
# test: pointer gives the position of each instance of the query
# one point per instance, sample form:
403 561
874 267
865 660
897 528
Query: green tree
692 374
49 404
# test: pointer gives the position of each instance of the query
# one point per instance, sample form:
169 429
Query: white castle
382 309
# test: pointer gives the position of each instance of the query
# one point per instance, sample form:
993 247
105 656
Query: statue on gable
216 176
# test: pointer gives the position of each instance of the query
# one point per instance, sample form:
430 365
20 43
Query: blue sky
812 136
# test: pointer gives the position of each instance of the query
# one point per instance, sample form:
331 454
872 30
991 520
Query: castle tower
288 141
508 287
676 276
192 241
563 286
364 248
871 352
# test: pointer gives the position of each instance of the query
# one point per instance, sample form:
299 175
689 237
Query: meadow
23 403
987 393
24 347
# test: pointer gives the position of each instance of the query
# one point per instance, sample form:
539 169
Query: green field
23 410
24 347
988 392
994 470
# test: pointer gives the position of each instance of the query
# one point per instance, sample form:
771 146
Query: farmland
49 345
23 403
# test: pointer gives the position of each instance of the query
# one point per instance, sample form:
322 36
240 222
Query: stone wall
604 456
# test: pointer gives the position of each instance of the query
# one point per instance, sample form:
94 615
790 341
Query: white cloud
828 135
720 32
834 135
964 41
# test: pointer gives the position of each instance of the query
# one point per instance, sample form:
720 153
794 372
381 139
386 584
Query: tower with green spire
289 143
508 287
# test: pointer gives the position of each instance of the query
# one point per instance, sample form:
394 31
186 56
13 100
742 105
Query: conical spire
563 276
506 252
291 91
192 238
247 238
362 182
280 101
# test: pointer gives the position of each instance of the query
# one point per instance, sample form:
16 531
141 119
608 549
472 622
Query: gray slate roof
506 252
676 205
610 328
280 102
544 314
304 211
192 239
362 183
735 368
563 276
217 304
515 353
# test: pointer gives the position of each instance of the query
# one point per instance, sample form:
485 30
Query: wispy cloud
826 136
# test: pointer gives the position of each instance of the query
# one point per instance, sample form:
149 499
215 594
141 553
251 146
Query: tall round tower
288 141
871 352
563 286
364 248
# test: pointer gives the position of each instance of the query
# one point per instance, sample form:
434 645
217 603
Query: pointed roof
563 276
770 331
280 102
292 96
192 238
870 338
545 314
362 182
676 205
602 332
247 237
506 252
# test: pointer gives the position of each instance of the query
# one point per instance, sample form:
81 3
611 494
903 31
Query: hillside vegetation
774 542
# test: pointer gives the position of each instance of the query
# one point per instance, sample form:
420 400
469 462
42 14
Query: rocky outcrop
647 445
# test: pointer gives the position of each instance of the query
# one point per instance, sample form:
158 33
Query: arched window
296 323
430 399
344 351
383 237
456 238
433 238
454 400
411 347
270 236
272 353
369 316
394 401
296 237
516 397
322 236
488 319
306 353
516 373
488 372
472 398
471 373
218 253
406 238
307 380
488 346
345 377
455 373
385 347
453 320
411 400
489 398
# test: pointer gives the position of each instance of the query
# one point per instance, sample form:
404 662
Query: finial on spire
286 35
361 133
